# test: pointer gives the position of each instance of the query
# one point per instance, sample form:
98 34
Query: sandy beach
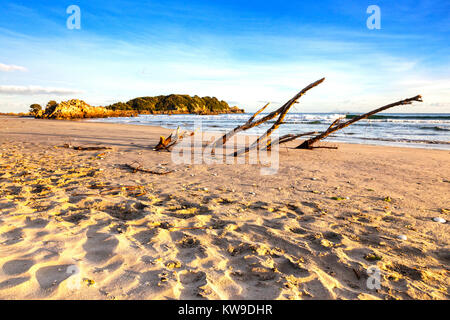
77 224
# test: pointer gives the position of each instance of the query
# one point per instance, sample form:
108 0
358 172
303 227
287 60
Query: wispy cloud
35 90
11 67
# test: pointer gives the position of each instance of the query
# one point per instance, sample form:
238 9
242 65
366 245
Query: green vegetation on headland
176 104
171 104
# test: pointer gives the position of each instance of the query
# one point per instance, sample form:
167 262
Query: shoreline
400 142
419 144
218 231
167 131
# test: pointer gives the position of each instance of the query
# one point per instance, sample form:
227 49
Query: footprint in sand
298 230
288 267
113 266
315 288
99 246
334 237
128 210
15 267
77 198
49 278
147 238
443 255
192 281
13 236
7 205
190 249
35 223
151 284
10 283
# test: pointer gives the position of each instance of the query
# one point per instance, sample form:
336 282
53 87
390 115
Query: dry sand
72 228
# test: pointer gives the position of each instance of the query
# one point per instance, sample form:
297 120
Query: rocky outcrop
172 104
236 110
78 109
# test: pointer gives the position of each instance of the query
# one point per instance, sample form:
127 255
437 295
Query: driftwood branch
257 112
171 140
249 124
135 167
289 137
282 111
81 148
338 125
164 142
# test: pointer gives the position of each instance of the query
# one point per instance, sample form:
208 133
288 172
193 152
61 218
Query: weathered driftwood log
81 148
282 111
164 142
338 125
171 140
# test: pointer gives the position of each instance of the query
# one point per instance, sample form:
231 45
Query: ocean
391 129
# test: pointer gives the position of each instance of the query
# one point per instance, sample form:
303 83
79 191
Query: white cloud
11 67
35 90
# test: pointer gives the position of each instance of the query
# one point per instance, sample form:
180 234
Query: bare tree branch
289 137
221 141
282 111
335 126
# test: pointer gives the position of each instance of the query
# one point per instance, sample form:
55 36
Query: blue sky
244 52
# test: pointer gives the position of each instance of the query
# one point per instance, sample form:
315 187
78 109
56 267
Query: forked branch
338 125
282 111
249 124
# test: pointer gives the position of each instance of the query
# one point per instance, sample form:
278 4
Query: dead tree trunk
221 141
252 123
337 125
282 111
